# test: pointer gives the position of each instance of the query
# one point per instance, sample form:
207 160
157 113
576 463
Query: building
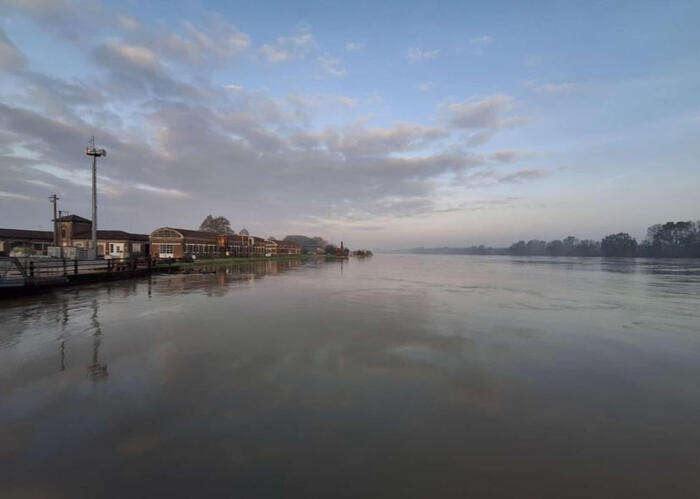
75 231
259 247
169 242
20 242
238 245
287 248
271 247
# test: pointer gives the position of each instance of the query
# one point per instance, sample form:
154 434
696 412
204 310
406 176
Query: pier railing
38 271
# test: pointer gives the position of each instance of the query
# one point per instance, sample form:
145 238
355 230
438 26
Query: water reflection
395 377
96 371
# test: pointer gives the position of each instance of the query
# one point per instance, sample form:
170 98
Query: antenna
91 150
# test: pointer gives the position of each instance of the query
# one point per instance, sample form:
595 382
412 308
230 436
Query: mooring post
65 270
31 269
75 266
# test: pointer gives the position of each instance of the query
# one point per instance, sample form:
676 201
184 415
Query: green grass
229 260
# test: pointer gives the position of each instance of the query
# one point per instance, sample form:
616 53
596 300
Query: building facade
169 242
20 242
75 231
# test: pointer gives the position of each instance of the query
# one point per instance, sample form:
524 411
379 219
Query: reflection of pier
96 371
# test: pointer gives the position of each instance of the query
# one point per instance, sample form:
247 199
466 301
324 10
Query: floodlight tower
95 153
54 198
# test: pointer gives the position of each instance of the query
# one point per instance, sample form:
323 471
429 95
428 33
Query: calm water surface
396 376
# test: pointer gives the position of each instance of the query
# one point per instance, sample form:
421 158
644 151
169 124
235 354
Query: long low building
24 242
73 231
170 242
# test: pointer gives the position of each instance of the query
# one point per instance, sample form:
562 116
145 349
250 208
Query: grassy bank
229 260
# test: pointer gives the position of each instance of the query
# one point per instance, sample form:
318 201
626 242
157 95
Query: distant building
24 242
271 247
238 245
287 248
259 246
168 242
73 231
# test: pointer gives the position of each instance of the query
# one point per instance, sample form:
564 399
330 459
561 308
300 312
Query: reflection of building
76 231
168 242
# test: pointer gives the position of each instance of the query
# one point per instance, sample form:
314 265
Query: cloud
354 46
426 86
553 88
478 45
287 48
416 54
10 56
14 196
509 156
522 175
180 143
489 113
331 66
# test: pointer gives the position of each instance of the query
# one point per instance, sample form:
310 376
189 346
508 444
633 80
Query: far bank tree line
669 240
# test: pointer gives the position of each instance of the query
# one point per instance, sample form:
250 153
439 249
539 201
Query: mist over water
395 376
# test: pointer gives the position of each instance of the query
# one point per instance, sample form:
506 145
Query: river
393 376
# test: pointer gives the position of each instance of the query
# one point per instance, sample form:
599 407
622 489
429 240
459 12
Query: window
165 249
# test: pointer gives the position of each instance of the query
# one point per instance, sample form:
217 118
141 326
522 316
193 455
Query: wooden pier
27 275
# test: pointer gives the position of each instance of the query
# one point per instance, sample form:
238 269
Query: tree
220 225
331 249
555 248
536 247
620 244
307 244
673 239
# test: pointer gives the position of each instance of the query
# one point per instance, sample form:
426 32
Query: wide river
396 376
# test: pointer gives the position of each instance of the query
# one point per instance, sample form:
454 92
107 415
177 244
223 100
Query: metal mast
53 198
95 153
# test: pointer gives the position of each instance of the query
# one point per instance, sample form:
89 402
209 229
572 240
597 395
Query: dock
29 275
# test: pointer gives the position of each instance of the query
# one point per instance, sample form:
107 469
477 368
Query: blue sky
387 124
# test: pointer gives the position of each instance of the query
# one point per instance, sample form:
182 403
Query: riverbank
230 260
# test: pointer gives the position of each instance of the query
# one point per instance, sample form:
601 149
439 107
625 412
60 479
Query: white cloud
354 46
488 113
287 48
417 54
553 88
426 86
479 44
331 66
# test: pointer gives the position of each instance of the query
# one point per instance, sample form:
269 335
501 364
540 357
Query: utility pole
53 198
95 153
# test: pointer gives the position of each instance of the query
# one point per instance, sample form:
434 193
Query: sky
384 124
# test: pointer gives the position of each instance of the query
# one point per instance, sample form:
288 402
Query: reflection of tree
96 371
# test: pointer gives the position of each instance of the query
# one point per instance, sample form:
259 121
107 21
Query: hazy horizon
388 126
